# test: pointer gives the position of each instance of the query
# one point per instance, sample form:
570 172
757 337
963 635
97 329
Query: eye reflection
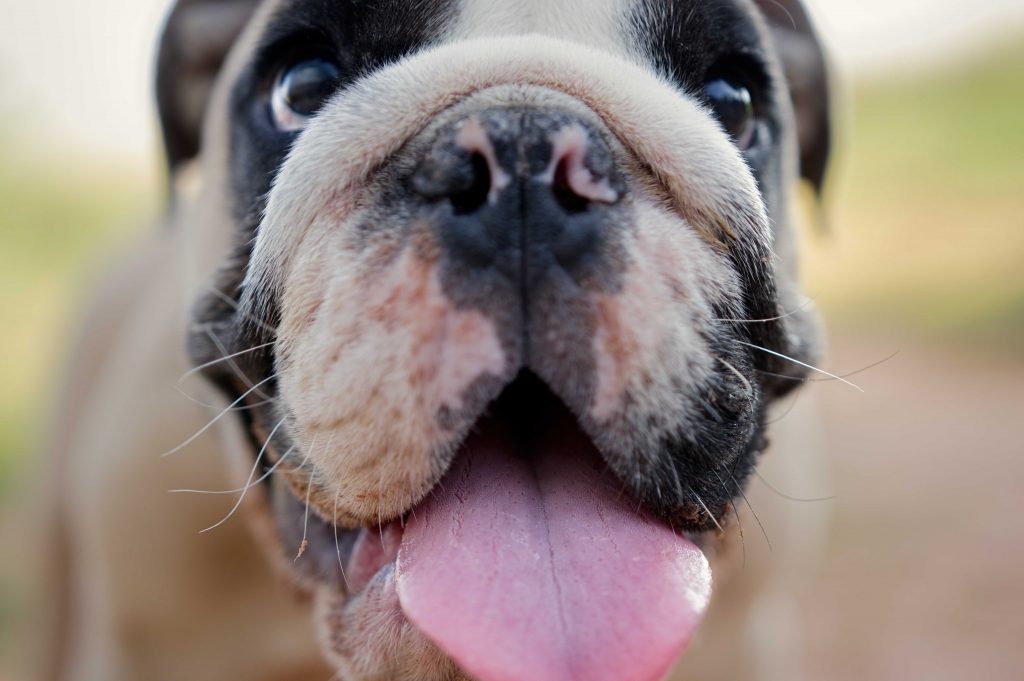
300 91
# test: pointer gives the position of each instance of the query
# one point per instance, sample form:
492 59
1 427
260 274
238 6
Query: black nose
520 186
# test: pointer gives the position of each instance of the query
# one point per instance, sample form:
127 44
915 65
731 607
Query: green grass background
927 212
61 221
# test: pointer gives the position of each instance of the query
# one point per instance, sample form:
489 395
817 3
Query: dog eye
734 107
300 90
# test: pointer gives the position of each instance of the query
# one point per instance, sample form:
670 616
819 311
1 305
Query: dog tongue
536 567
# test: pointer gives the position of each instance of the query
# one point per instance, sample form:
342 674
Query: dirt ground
924 574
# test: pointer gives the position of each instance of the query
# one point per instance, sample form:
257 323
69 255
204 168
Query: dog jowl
519 276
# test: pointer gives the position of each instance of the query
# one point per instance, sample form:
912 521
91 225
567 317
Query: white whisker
787 497
215 362
304 544
828 380
743 379
266 475
803 364
231 362
858 371
337 543
248 484
207 405
216 418
807 304
234 306
706 510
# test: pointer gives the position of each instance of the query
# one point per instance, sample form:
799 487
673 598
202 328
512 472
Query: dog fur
149 597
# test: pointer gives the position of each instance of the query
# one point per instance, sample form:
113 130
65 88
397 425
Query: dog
492 302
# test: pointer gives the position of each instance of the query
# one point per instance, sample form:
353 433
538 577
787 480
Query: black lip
527 406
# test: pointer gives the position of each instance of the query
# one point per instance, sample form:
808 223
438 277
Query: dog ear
806 71
196 38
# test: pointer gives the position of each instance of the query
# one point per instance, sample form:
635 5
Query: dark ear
803 61
195 41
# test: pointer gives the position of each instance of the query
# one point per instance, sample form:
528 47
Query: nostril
561 185
580 173
475 196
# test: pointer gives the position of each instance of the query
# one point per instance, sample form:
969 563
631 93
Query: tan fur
152 599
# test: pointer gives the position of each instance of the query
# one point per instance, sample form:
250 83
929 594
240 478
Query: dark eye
734 107
300 90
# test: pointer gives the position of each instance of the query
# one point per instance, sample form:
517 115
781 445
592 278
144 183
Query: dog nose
520 186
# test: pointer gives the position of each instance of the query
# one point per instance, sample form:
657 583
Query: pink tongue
539 569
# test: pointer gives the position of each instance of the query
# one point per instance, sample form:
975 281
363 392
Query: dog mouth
530 560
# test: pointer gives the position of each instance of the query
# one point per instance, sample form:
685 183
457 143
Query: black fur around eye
733 104
300 90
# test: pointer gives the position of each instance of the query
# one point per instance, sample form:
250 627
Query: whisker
248 484
227 358
743 379
792 405
858 371
829 380
813 500
216 418
735 512
234 366
787 315
707 510
234 306
266 475
743 540
803 364
304 544
208 405
337 543
743 494
677 481
638 479
785 11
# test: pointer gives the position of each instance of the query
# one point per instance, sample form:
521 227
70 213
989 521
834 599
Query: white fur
646 333
593 22
358 130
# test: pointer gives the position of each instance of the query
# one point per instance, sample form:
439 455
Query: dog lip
525 402
375 549
528 408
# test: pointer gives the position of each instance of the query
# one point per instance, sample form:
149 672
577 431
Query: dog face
500 269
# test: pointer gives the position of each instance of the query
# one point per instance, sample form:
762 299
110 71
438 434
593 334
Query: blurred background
919 261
